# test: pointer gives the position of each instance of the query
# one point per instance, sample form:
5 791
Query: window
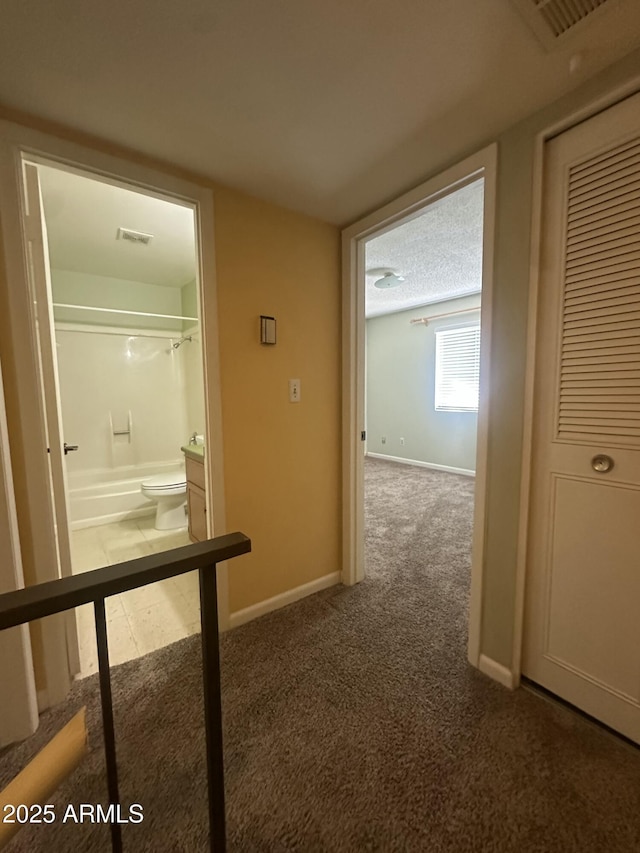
458 369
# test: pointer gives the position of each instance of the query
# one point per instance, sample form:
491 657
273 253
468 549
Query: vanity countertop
195 451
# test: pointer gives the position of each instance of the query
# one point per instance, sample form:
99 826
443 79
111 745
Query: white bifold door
582 616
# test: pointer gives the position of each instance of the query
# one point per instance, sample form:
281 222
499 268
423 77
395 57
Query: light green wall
192 360
74 288
189 303
508 357
401 389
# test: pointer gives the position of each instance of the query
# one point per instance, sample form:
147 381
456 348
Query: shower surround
124 403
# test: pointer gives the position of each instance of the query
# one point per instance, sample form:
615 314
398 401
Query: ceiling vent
554 20
134 236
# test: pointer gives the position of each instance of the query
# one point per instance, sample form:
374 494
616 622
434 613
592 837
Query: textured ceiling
325 106
83 217
439 254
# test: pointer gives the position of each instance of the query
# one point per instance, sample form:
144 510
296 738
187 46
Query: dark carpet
354 723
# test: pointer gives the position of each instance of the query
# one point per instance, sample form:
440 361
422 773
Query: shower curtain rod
80 328
121 311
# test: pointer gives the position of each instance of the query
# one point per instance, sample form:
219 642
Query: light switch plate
294 390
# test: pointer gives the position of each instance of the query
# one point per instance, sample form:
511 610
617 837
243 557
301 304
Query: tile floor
144 619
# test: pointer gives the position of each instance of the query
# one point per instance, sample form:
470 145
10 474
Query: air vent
554 20
134 236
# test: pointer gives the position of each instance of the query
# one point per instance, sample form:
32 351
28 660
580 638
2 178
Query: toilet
170 493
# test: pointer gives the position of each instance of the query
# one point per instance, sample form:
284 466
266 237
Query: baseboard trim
497 672
466 472
42 700
99 520
240 617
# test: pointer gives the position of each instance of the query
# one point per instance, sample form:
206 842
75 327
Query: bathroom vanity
196 495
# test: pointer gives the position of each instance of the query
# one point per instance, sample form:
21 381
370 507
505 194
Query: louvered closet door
582 617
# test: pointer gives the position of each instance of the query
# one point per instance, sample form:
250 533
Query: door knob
602 463
69 447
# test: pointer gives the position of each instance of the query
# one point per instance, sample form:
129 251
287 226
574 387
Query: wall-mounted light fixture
267 329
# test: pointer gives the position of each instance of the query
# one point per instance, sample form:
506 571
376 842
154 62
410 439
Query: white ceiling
83 217
325 106
439 254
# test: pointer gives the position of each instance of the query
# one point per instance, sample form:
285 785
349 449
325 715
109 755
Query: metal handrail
46 599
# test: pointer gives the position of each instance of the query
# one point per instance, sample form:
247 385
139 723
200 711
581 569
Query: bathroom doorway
118 315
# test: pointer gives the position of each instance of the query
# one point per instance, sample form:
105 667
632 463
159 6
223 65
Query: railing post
212 707
107 721
63 594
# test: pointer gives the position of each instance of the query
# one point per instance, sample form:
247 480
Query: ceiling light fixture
389 279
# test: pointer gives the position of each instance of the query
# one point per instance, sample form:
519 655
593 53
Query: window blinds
458 369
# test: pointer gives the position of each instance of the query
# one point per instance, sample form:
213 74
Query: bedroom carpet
353 721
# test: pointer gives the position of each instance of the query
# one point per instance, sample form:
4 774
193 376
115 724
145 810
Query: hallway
353 722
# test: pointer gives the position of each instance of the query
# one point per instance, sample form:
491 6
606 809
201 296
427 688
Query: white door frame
36 236
18 703
17 142
482 164
592 109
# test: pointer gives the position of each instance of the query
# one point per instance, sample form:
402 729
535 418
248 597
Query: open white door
41 282
18 705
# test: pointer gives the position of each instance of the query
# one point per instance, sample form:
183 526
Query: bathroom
124 302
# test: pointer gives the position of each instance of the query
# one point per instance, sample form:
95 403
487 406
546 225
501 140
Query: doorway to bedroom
423 297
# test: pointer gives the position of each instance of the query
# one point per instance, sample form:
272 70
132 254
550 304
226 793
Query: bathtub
108 495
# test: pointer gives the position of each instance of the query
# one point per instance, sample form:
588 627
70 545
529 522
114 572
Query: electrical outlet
384 439
294 390
402 441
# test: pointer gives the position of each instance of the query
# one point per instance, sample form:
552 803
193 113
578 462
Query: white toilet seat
165 484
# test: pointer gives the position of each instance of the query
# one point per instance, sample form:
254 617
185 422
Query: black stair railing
45 599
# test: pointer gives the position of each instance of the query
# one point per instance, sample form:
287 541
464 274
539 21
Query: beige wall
508 358
282 460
